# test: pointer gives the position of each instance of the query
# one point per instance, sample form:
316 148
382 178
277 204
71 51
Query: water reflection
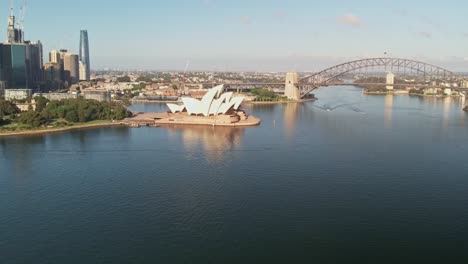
22 151
446 108
214 141
388 110
290 119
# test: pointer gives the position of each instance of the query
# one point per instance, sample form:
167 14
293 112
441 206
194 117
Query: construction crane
21 18
11 8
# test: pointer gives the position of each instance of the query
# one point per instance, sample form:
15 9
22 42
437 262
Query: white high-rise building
54 56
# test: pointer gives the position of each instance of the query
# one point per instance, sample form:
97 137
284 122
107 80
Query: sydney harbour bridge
423 75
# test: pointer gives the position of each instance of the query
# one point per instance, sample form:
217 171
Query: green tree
264 95
124 79
8 108
126 102
41 103
72 116
138 86
120 112
81 110
144 79
32 119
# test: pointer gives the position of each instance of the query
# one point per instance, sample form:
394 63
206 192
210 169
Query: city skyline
257 36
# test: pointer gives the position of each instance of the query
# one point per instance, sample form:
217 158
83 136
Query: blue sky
256 35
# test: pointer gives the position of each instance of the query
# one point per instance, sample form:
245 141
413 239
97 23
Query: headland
183 118
50 130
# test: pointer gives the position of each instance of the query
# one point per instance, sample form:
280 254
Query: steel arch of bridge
312 82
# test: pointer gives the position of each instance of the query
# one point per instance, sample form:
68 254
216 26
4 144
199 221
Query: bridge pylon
291 90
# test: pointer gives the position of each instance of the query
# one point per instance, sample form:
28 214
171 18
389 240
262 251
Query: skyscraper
54 56
84 54
71 68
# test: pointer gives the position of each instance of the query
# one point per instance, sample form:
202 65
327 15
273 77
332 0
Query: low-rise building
166 92
153 86
17 94
57 96
98 95
24 107
465 84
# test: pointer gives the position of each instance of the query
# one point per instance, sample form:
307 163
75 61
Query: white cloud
465 59
350 20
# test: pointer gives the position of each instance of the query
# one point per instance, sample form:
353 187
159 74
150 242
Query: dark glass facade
33 60
14 67
20 65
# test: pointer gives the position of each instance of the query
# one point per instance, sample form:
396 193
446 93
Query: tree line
265 95
71 110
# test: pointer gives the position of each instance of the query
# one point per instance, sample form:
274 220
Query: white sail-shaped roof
176 108
225 107
238 101
213 103
214 109
192 105
209 98
226 97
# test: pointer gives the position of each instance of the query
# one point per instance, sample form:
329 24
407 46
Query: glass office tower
20 65
14 66
84 54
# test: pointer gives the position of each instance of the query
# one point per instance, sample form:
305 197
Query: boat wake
348 106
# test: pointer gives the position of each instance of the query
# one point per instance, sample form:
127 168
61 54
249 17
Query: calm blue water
376 179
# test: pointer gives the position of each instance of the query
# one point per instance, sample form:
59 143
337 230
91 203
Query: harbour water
350 178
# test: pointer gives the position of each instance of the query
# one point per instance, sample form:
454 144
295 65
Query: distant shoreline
410 94
56 130
245 102
282 102
152 102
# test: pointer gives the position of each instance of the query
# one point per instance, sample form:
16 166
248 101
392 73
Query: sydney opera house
215 102
217 107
